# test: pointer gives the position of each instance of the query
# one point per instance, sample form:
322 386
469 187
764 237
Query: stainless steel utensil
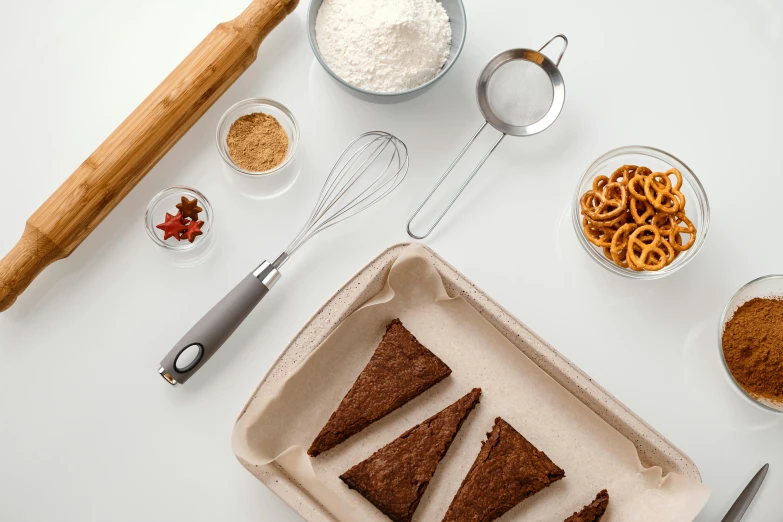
520 92
737 510
372 166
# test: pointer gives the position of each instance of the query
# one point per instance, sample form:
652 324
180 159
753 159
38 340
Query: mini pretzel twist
677 176
597 235
605 204
689 229
636 188
665 223
619 245
643 250
637 217
643 216
650 260
658 190
667 247
623 174
599 183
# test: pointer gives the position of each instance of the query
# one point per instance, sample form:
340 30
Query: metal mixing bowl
456 12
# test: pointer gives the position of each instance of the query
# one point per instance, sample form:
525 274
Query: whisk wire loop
360 178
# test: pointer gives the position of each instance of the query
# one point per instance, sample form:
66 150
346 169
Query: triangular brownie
508 470
400 369
395 477
594 511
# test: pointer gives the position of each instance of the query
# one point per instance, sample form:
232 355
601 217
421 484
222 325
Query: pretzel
665 223
623 174
676 173
689 229
677 241
670 237
644 252
605 204
619 221
600 182
636 187
658 190
637 217
680 197
620 259
619 245
660 182
651 260
647 212
596 234
668 249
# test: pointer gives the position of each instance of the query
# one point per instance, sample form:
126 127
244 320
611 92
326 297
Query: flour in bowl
384 45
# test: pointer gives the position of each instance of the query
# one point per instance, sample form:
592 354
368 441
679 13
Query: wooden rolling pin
100 183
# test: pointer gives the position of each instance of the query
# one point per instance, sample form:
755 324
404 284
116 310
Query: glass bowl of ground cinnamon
258 139
751 342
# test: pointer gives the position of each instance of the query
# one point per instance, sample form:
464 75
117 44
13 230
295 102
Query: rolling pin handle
24 262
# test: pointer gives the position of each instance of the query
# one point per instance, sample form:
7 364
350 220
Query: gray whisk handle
207 336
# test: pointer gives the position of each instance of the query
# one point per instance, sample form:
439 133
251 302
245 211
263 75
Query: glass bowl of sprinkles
695 207
258 141
749 340
180 221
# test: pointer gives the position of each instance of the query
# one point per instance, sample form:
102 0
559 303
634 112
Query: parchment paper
280 426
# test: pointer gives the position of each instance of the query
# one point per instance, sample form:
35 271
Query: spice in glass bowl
257 142
753 348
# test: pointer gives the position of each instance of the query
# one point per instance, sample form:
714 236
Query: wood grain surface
122 160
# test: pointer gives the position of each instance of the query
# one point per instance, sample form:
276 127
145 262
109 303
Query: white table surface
90 432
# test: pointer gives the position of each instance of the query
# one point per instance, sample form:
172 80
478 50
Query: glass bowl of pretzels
640 212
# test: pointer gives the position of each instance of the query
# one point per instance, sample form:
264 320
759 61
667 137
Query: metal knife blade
742 503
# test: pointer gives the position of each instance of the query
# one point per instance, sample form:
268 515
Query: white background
90 432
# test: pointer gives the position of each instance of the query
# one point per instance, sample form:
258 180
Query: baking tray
653 448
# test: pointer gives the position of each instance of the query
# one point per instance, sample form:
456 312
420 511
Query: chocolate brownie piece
594 511
395 477
508 470
400 369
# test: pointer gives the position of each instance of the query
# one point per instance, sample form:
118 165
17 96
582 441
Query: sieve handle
565 46
443 178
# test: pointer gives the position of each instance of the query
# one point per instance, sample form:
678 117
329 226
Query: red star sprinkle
173 226
193 229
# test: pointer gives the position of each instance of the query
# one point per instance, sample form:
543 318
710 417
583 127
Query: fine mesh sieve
520 92
520 107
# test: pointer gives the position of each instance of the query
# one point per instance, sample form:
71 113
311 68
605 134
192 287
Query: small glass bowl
698 208
269 183
770 286
183 252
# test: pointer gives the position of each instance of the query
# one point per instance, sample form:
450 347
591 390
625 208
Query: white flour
384 45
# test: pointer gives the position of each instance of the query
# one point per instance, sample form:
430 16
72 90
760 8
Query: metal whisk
372 166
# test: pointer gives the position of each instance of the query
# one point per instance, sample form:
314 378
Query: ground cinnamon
753 347
257 142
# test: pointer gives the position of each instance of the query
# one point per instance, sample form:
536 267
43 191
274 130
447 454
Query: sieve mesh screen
520 93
